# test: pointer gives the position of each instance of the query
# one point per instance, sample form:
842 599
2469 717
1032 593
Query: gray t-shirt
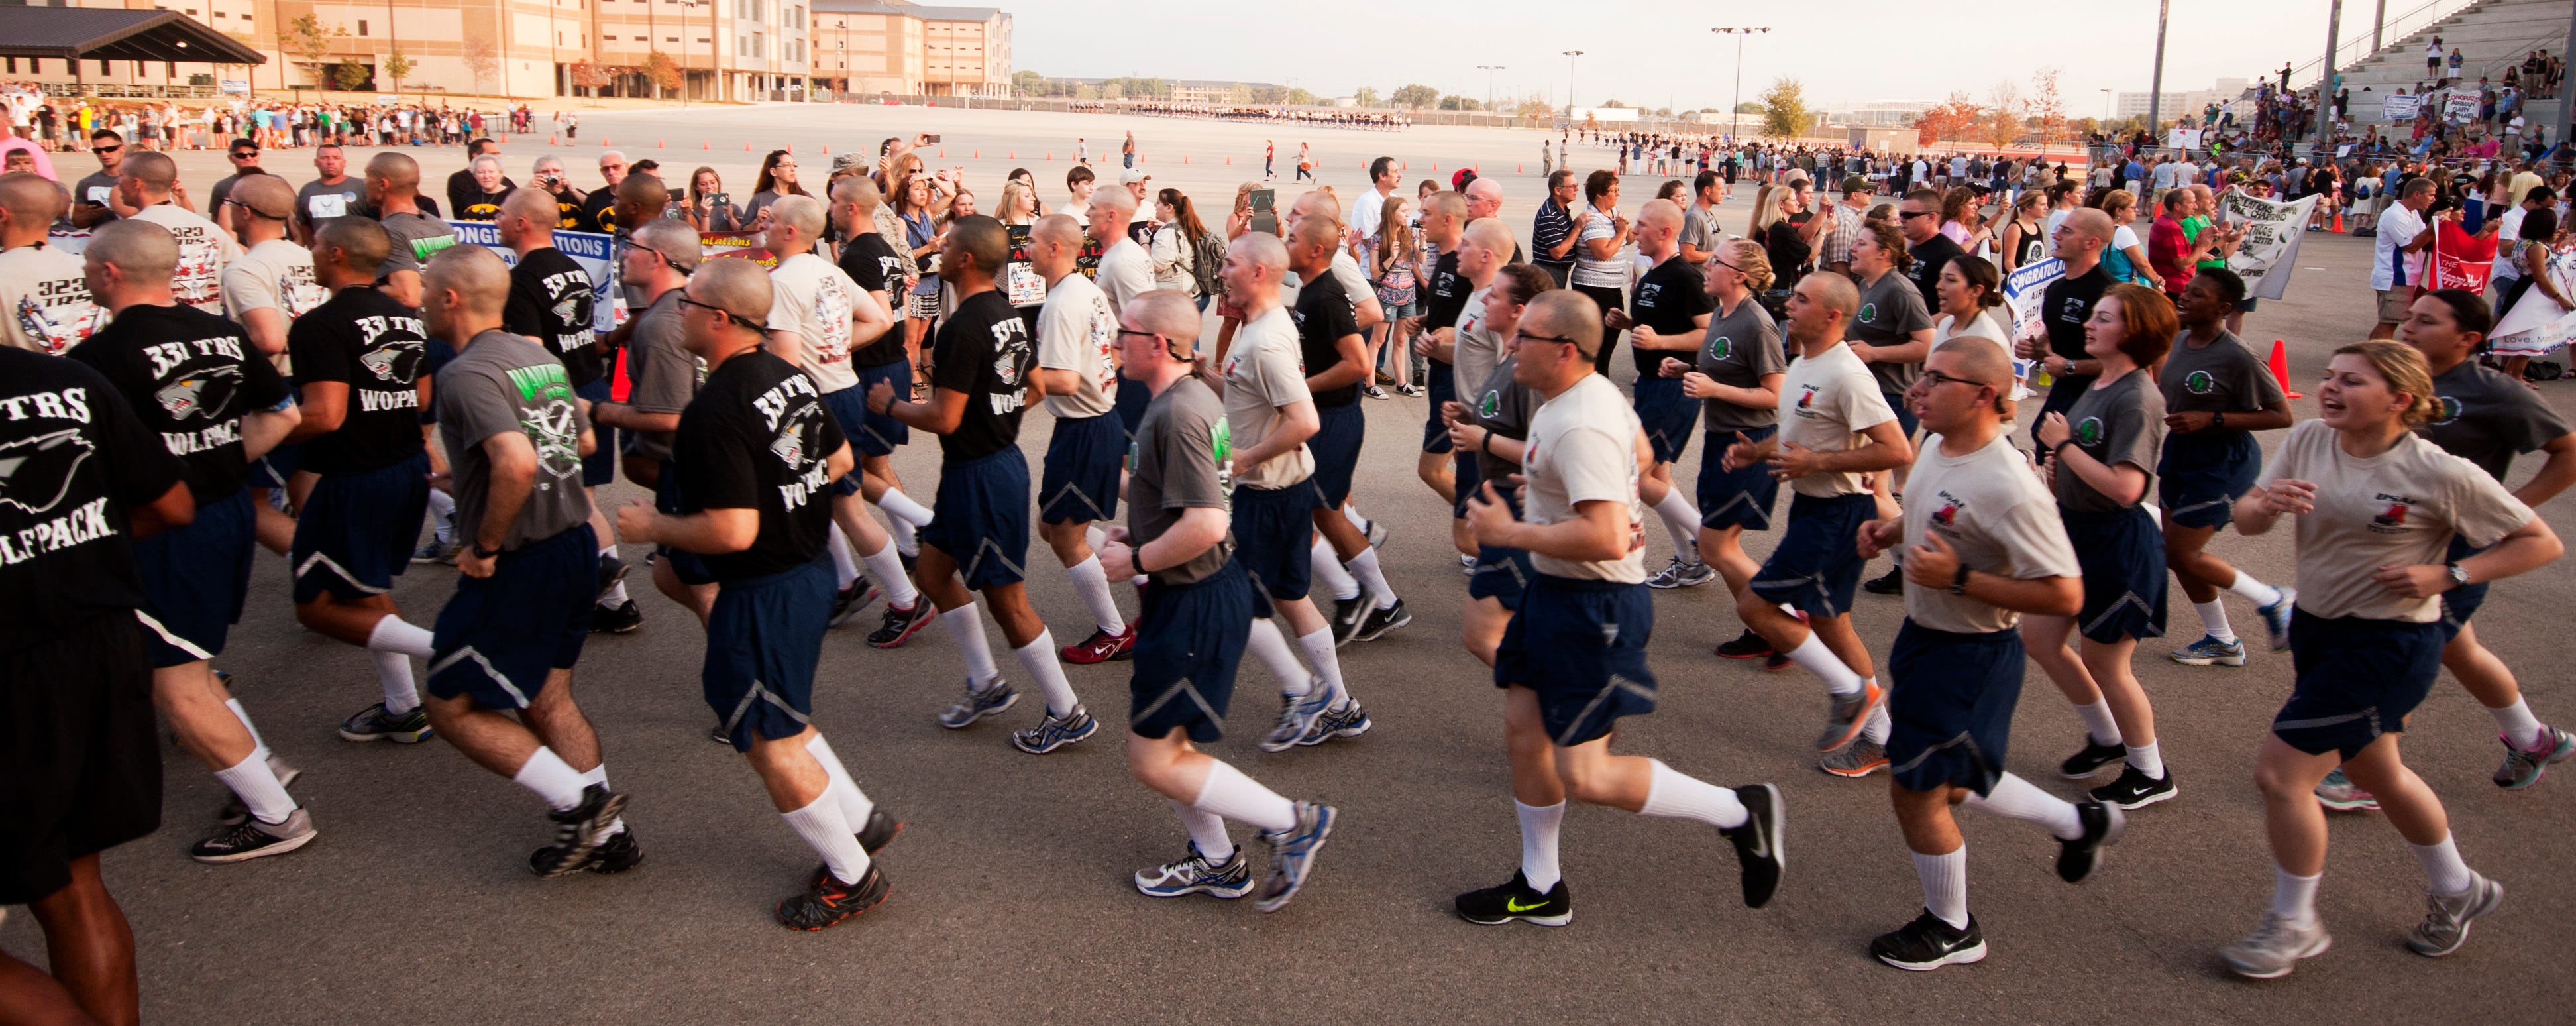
319 202
95 188
1739 350
1891 311
662 375
1179 460
2221 377
2120 422
415 239
1504 407
1699 229
503 382
2486 418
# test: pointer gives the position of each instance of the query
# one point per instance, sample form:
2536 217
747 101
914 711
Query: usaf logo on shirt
1721 348
2089 432
2447 410
2199 383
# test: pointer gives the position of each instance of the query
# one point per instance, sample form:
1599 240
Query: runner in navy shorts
1502 574
875 435
1131 402
2123 556
1735 498
849 408
1817 563
690 567
500 635
1443 385
1189 638
600 467
764 638
2201 475
1274 539
1336 445
2461 602
1080 482
1668 416
2358 679
1950 706
980 518
357 531
1581 644
196 578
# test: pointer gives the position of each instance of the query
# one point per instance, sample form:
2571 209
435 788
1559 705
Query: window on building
670 39
245 17
192 10
362 26
219 14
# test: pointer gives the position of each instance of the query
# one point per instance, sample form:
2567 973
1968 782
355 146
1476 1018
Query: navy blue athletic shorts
1080 481
1950 706
764 637
1581 645
274 470
1668 416
2461 603
1817 563
1274 541
2202 474
981 518
877 434
849 409
357 531
80 756
1736 498
1502 574
1467 473
1442 383
2358 678
499 635
195 579
600 467
2123 558
690 567
1130 404
1905 421
1336 445
1189 639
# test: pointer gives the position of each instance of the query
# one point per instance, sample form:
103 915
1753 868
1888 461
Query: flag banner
2273 231
595 252
2460 260
743 245
2537 324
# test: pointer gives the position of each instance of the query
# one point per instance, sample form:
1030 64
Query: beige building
889 47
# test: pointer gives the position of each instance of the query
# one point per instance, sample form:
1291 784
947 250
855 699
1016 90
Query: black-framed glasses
720 312
1523 336
1908 215
1124 332
666 261
1938 378
1721 262
245 155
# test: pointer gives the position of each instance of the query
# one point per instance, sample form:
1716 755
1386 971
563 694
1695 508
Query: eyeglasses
1937 378
1523 336
246 155
1124 332
666 261
720 312
1908 215
105 149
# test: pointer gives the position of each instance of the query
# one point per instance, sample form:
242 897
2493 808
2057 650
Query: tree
662 71
2000 123
1270 95
349 74
1415 96
2046 108
305 37
1950 119
1455 102
1535 109
1300 98
1747 107
396 66
1028 83
1367 96
483 58
1612 105
1238 93
1784 108
586 75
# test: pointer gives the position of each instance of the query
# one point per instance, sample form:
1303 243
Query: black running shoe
847 602
251 839
879 832
617 854
622 618
1758 844
1776 662
2091 760
1927 943
900 623
1747 645
2103 825
1379 621
1347 615
1516 899
611 570
827 903
578 831
1890 583
2135 789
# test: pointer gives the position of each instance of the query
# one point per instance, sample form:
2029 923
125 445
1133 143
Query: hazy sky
1657 53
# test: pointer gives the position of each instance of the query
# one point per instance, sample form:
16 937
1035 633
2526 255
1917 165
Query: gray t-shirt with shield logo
1740 348
2221 377
2121 422
506 383
1180 459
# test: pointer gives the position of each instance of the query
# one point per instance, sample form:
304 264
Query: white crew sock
2148 759
2016 798
845 568
1875 729
1539 825
1270 645
393 674
1681 520
1351 512
2444 873
1207 831
1230 794
1822 662
1328 664
259 745
1038 657
1329 572
885 569
902 508
258 787
2098 723
1674 796
614 597
2213 619
822 827
907 538
443 507
965 626
1094 537
2254 591
391 634
1092 583
599 775
2516 721
2294 897
551 778
855 804
1945 885
1372 579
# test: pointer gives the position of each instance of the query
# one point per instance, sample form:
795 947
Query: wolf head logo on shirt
201 394
397 362
35 473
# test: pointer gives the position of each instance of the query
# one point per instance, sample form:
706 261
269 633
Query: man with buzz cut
879 268
1076 333
1333 348
148 182
393 192
1983 546
756 454
978 539
1572 661
1444 224
1197 608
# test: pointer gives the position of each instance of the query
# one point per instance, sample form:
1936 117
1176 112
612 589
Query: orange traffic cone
660 144
943 153
827 151
2338 222
2281 367
1229 160
705 144
746 146
554 140
603 140
1185 158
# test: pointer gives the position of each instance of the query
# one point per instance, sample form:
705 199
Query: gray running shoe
235 810
2209 651
975 705
1056 732
1296 716
1856 760
1349 720
1292 854
2276 618
252 839
373 723
2523 767
2447 916
2275 947
1846 716
1194 874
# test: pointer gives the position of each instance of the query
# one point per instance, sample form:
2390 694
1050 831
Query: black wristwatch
483 553
2218 419
1959 581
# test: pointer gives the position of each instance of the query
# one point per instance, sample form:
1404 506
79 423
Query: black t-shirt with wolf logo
73 460
984 352
191 376
551 300
372 343
757 437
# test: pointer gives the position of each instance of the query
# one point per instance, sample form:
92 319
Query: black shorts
1467 472
1189 639
1442 382
2122 555
1736 498
1581 645
1950 706
600 467
2358 679
1668 416
1336 445
498 636
980 518
849 409
356 532
195 579
2202 474
1817 563
80 769
1080 481
1274 541
764 637
1502 574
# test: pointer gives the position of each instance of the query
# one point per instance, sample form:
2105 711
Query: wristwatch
2218 419
1959 581
483 553
2459 576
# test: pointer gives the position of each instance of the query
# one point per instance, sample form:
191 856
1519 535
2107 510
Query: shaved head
1977 359
1446 204
1489 235
2097 226
1057 229
1169 313
1660 213
1263 250
265 195
737 287
859 189
1567 313
398 171
1313 230
674 239
477 275
156 171
363 244
530 202
1317 203
802 213
31 198
144 251
1119 200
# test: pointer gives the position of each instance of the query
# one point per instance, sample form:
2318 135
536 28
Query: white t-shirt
1474 352
1607 274
2398 508
1990 508
48 307
204 252
1367 212
276 274
2397 226
1264 370
1076 332
1983 326
2508 246
813 297
2122 238
1582 449
1826 403
1126 272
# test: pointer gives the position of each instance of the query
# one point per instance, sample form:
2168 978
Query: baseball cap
846 161
1132 176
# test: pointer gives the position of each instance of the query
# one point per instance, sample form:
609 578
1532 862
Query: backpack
1207 256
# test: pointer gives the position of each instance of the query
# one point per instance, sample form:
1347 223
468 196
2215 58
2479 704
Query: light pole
2156 83
1570 55
2106 105
1740 33
1489 70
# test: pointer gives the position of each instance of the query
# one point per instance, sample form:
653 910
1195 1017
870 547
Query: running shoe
622 618
2523 767
578 831
1776 662
1928 943
2447 917
373 723
2090 761
2103 825
1297 715
250 839
1516 899
1374 392
1761 845
235 810
2336 792
1408 390
436 551
1377 533
1194 874
1377 622
1893 583
2209 651
1680 574
1845 715
1385 378
2275 947
1100 647
831 901
2276 621
881 830
847 602
1856 760
1346 720
2134 789
616 854
1747 645
1292 854
1466 565
975 705
611 570
1055 732
1347 614
902 623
